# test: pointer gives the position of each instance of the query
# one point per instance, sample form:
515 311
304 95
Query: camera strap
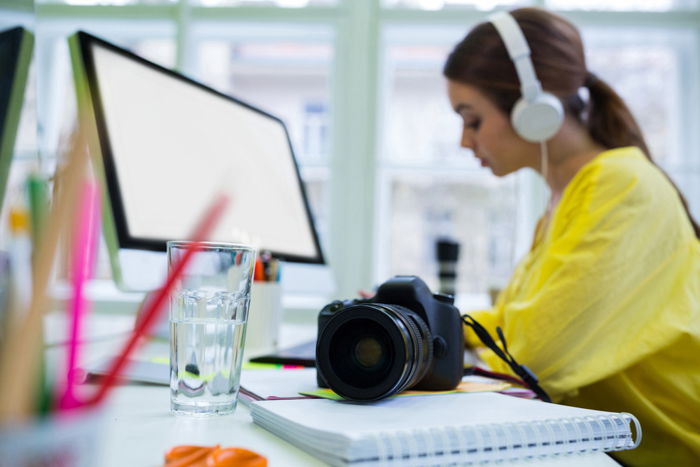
521 370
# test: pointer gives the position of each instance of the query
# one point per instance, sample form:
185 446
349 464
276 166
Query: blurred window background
359 84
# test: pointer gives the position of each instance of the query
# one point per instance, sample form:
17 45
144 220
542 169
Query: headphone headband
537 115
519 53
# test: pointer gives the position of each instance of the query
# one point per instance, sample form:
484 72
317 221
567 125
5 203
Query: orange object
259 273
179 452
188 456
212 456
235 457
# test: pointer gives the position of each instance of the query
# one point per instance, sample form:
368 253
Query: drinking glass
208 316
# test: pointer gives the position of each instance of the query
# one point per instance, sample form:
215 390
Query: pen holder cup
264 318
70 441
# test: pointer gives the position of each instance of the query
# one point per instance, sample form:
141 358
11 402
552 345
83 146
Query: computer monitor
164 145
15 58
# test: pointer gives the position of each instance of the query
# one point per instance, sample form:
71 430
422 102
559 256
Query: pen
259 273
21 353
273 270
38 204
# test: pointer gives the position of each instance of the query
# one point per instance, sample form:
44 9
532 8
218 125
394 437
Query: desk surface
138 427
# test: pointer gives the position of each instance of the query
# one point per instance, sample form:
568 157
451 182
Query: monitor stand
139 270
161 329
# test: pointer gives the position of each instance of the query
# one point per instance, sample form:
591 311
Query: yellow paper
464 386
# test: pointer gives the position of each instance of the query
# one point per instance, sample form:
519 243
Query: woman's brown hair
481 60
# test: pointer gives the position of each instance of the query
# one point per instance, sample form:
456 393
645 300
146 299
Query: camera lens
368 352
371 351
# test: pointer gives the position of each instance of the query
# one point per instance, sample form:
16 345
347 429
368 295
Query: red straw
154 306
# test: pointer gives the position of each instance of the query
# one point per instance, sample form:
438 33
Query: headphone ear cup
539 119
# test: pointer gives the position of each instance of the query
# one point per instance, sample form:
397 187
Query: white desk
138 427
138 430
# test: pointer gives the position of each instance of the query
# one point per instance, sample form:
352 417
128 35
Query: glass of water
208 315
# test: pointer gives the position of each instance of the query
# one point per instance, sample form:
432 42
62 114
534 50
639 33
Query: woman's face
488 133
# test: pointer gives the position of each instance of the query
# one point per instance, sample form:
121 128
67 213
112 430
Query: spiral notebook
443 429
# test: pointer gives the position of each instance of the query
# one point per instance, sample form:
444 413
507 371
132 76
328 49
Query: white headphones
538 114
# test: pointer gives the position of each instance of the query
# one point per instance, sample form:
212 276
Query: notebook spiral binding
477 444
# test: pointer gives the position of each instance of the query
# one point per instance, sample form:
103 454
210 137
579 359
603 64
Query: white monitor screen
170 144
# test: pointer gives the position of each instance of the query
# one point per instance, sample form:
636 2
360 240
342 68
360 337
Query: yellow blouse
605 308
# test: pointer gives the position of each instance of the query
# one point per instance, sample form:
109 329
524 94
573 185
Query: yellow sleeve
590 298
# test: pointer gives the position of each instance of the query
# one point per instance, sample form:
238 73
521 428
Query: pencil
21 352
38 204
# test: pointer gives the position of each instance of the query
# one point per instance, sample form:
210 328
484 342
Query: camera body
403 337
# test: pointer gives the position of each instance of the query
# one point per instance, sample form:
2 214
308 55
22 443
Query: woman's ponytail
612 125
610 121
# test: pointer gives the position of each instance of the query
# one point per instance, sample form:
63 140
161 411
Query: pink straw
154 307
86 232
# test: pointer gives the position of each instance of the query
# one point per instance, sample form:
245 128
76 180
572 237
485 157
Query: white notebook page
355 419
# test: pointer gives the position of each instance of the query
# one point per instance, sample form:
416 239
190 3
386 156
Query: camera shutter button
445 298
439 347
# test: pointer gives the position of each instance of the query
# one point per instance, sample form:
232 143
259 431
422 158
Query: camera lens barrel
371 351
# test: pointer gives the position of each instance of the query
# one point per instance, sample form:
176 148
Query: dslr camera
403 337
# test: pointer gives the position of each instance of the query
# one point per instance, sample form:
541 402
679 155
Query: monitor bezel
125 240
21 43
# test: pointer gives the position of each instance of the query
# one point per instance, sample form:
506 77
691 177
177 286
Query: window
451 4
432 188
652 69
107 2
312 61
622 5
284 70
278 3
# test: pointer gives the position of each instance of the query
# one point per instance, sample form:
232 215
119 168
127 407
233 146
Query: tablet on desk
302 354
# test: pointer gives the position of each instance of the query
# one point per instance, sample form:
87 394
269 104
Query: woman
605 307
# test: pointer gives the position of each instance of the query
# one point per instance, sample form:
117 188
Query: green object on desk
38 205
269 366
246 365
